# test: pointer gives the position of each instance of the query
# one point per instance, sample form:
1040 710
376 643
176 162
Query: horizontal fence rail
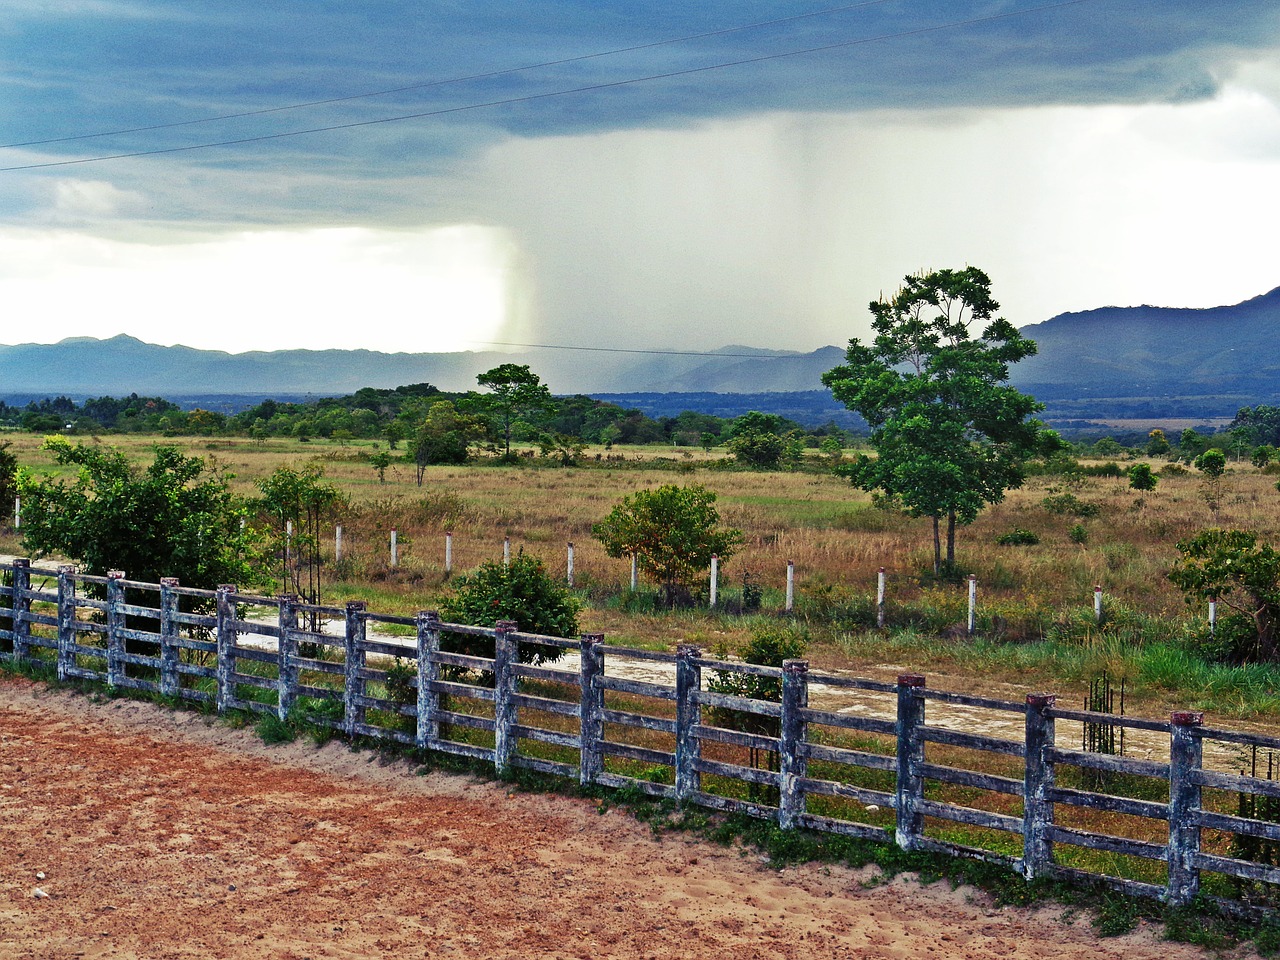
724 735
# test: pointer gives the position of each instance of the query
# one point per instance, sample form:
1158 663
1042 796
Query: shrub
1069 503
1141 477
520 590
1017 537
1078 534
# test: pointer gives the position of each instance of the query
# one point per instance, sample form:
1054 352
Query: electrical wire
529 98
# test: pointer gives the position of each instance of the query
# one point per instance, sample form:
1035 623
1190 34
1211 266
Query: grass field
1035 602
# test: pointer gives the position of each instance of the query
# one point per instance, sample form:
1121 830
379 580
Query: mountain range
1111 361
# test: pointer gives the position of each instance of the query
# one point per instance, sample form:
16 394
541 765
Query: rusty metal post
506 654
793 765
427 735
591 709
910 785
1037 786
688 716
170 676
1185 755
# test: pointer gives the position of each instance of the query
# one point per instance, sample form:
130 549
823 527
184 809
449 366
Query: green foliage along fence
1163 828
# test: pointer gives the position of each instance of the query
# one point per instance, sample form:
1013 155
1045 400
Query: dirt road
163 834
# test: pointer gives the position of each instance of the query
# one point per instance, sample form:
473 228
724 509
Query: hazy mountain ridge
1090 363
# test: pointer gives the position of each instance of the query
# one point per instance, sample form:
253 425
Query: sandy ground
163 834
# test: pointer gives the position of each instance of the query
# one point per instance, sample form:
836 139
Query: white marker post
1097 603
973 601
1213 616
448 553
635 574
715 577
880 599
337 543
395 550
569 565
791 585
506 551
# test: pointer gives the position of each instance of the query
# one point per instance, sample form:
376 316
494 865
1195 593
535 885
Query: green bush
1069 503
1078 534
1018 537
520 590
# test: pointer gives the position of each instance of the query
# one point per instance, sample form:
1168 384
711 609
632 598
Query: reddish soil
163 834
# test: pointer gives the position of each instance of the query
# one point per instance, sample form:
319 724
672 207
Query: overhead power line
427 84
529 98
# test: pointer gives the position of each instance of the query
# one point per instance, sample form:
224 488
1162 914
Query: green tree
1191 444
1141 477
516 392
443 436
8 479
297 503
380 460
672 532
755 440
175 518
950 434
1157 443
1262 456
1212 464
522 591
1231 566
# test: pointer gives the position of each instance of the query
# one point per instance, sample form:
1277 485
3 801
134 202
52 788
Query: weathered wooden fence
1023 799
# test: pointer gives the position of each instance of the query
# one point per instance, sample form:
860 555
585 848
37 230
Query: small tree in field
1212 464
950 434
516 392
1141 477
1231 566
672 532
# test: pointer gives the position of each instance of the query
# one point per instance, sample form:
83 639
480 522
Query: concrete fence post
66 619
170 659
793 765
635 574
287 671
1213 617
506 552
910 785
226 642
1097 604
591 713
448 553
791 586
21 609
115 624
569 566
395 551
688 716
1185 755
715 579
506 654
337 543
973 604
1037 786
427 735
353 685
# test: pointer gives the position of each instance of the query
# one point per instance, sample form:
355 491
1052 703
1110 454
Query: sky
442 176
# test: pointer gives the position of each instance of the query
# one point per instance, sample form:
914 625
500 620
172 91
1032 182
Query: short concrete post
973 603
353 686
506 654
115 624
793 765
448 553
791 586
337 543
635 574
1185 755
715 578
1213 617
880 599
287 671
170 659
910 785
688 716
21 609
66 619
506 551
1038 784
395 551
17 513
569 566
591 730
1097 604
427 735
226 641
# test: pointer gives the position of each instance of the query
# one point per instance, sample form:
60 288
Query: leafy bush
1108 469
1069 503
1141 477
520 590
1173 470
1078 534
1018 537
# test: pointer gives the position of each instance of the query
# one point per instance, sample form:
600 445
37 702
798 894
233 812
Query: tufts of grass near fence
908 776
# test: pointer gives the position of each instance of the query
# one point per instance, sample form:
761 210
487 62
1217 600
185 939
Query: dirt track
164 835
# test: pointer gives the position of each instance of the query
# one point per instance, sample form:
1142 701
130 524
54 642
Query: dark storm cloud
69 68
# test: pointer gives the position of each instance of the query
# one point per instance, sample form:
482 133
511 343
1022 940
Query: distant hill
1111 362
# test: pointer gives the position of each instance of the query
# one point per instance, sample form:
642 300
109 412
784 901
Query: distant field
837 539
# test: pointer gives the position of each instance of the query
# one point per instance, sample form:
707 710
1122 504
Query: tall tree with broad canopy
516 391
950 434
